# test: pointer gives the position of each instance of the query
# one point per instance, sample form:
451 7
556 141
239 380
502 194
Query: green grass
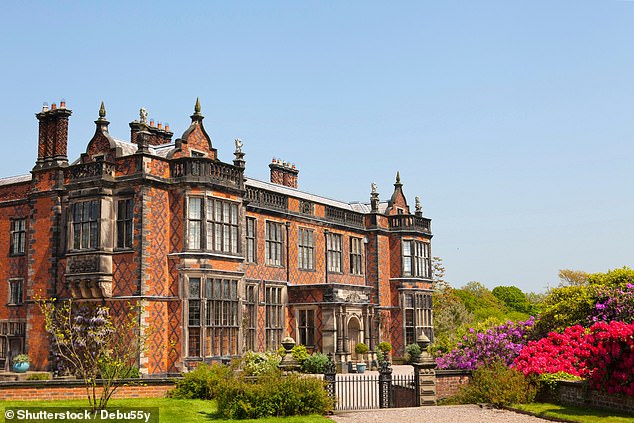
575 414
170 410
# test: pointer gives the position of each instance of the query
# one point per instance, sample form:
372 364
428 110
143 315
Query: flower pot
21 367
361 367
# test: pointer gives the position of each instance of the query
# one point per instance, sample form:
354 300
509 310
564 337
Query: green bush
273 395
496 384
548 383
259 363
39 376
413 352
361 348
202 383
315 363
384 347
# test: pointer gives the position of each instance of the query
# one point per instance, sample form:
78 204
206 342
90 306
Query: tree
614 278
569 277
92 346
481 302
513 298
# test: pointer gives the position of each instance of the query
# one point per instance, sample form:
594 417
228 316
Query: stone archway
354 333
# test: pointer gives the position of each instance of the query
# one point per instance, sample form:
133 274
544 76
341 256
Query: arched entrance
354 333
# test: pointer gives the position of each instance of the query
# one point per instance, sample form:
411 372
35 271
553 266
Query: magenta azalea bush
500 344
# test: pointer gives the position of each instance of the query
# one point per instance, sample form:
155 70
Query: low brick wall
75 389
448 382
576 393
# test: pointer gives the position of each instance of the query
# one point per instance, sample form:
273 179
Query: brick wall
74 389
448 382
575 393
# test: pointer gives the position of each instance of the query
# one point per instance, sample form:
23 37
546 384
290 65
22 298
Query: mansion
220 262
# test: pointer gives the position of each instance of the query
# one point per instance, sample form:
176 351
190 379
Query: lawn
170 410
575 414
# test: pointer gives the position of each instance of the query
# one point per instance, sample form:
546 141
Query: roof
128 148
15 179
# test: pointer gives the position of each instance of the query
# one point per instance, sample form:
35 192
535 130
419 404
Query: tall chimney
283 173
53 135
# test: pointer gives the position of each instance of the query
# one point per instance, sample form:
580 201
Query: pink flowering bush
498 344
611 359
613 304
558 352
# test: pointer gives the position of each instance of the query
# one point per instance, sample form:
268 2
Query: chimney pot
45 107
167 127
151 122
53 106
62 104
159 125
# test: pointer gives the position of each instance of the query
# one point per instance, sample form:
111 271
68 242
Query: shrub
558 352
299 353
496 384
412 352
258 363
384 347
315 363
39 376
548 383
361 348
273 395
202 383
500 343
611 357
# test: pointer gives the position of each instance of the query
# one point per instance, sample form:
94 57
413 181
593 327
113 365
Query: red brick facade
222 263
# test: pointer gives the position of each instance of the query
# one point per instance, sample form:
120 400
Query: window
418 316
212 317
18 236
416 259
214 227
15 291
250 317
124 223
333 247
306 327
306 253
356 263
252 245
274 318
274 244
85 225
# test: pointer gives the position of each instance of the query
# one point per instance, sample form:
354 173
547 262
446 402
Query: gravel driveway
441 414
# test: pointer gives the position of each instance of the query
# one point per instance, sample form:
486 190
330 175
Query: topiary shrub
412 351
202 383
385 347
315 363
496 384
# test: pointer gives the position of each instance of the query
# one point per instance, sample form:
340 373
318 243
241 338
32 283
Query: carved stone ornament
239 145
83 264
143 115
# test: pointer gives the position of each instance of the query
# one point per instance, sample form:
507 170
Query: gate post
385 385
330 378
424 375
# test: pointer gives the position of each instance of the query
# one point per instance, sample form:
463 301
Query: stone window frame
214 329
416 258
306 249
274 243
306 329
18 236
124 224
275 322
80 224
251 236
417 315
356 256
334 252
203 229
250 316
16 292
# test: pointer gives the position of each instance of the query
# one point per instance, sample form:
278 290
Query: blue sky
513 121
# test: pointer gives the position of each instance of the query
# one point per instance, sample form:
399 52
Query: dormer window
195 153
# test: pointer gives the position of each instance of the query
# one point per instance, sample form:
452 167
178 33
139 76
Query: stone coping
80 382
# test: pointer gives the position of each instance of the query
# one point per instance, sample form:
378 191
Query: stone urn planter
361 367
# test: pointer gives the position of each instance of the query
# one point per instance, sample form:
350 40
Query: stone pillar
424 375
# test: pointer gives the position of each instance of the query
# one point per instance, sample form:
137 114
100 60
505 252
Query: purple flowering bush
613 304
499 344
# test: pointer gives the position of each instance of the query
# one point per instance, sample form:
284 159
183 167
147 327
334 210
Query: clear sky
512 120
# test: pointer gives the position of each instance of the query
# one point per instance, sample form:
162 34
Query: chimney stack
156 134
283 173
53 135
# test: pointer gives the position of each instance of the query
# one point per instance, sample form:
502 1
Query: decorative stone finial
197 106
373 185
102 111
398 177
418 206
239 145
143 115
